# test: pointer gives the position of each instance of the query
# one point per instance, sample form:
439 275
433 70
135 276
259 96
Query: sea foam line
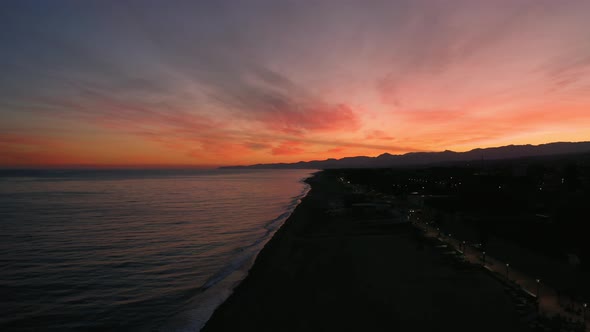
221 285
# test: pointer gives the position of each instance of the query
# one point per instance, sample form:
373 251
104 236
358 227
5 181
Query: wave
221 285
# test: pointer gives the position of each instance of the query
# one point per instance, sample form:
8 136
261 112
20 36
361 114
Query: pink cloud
312 118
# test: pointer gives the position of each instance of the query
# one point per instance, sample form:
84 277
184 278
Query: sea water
130 250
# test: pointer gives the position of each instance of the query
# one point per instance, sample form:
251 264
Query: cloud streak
215 82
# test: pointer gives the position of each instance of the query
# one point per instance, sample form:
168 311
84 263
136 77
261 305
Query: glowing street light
538 288
507 270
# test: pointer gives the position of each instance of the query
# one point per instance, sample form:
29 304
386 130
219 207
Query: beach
326 270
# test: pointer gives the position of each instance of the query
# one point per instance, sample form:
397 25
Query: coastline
321 271
219 287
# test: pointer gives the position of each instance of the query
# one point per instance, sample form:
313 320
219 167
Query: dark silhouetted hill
431 158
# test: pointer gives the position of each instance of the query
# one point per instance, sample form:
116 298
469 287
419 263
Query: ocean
130 250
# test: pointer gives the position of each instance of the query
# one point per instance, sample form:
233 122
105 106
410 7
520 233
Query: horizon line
91 166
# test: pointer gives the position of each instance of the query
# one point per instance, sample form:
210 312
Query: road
548 299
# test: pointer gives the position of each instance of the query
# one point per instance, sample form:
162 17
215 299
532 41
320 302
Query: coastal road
549 301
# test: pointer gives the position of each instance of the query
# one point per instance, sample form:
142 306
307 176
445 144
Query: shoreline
321 271
214 292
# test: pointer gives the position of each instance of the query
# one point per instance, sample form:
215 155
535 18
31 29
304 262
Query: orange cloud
337 150
288 148
256 146
440 130
428 76
22 150
379 134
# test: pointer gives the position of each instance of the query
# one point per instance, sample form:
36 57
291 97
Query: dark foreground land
530 212
327 270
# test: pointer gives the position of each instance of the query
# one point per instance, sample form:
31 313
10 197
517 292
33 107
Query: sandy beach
325 271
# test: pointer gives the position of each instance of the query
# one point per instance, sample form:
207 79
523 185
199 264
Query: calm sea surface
132 250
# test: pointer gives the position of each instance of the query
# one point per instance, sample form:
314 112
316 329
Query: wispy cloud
379 135
288 148
234 82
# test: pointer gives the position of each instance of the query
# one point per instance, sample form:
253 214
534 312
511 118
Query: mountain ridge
428 158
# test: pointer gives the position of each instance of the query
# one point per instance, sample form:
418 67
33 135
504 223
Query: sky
209 83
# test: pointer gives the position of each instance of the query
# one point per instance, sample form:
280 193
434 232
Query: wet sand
323 272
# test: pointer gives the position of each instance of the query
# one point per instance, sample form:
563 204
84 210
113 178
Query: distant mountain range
434 158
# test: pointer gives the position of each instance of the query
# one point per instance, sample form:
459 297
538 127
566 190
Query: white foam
220 286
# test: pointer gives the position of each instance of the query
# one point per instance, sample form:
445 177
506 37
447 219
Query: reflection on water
122 249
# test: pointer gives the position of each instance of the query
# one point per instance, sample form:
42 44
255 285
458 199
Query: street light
507 266
484 257
464 248
538 288
585 305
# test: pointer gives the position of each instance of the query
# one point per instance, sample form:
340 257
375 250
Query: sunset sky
241 82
